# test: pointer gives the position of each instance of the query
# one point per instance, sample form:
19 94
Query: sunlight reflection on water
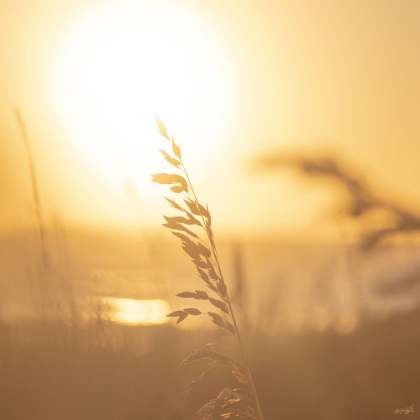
135 312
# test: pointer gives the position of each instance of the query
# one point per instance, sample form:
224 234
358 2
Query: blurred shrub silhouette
378 220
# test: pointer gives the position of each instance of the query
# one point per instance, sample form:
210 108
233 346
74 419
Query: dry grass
44 263
362 200
241 402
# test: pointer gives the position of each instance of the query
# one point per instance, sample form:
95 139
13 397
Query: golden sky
231 79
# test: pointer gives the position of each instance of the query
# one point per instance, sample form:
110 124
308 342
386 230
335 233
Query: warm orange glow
346 322
136 312
290 231
119 66
320 318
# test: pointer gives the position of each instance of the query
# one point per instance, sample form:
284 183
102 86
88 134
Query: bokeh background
298 123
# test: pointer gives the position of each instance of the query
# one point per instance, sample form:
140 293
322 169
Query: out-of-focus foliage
361 200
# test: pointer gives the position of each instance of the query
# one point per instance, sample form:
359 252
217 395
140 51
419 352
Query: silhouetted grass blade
204 256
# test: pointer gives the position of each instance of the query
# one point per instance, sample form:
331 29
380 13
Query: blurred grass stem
44 267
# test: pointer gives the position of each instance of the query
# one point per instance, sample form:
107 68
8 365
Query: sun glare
136 312
120 65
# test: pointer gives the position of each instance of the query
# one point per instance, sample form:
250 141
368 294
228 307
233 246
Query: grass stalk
241 403
44 266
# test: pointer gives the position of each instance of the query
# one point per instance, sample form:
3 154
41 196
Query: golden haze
231 80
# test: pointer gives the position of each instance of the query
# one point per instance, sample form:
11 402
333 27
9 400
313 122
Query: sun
120 65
